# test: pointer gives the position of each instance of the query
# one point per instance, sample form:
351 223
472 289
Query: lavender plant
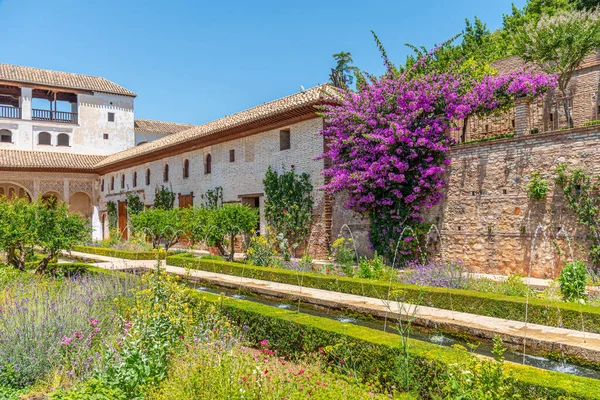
51 324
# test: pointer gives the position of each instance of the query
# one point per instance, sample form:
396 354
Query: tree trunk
565 101
43 265
232 248
463 135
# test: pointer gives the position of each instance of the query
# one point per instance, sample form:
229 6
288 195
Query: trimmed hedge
378 355
540 311
126 254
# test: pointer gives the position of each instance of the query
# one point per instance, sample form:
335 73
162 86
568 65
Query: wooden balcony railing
55 116
10 112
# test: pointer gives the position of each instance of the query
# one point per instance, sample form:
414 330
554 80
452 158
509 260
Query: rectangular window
111 117
231 155
284 140
106 136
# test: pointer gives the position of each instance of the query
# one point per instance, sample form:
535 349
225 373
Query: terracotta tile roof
149 125
29 159
18 73
296 101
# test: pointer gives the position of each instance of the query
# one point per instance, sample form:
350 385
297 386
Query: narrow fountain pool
483 348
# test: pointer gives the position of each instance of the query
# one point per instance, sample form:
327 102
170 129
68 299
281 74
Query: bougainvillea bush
388 141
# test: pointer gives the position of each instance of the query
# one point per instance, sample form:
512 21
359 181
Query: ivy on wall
111 208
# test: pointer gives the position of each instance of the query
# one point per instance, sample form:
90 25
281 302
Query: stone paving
539 337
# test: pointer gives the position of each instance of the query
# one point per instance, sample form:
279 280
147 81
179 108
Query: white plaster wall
147 136
253 155
87 136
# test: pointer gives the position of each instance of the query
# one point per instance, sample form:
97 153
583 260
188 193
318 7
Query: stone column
25 102
522 105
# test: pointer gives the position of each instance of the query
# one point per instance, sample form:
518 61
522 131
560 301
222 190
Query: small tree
231 220
559 43
343 74
163 226
289 206
17 230
199 224
57 229
164 198
47 227
111 210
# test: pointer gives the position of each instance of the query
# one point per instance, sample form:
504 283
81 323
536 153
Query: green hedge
378 355
543 312
126 254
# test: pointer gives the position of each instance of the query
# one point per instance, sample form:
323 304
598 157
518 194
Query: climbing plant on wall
388 141
581 194
213 198
289 207
111 210
134 204
164 198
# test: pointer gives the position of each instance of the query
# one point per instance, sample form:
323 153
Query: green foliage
118 253
213 198
260 252
113 219
513 286
371 268
559 43
164 198
93 389
537 187
199 225
540 311
344 72
48 227
343 252
581 193
134 204
289 207
477 378
573 280
163 226
379 357
232 220
592 123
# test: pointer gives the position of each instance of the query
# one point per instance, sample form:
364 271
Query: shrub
232 220
573 280
537 187
134 204
126 254
289 207
343 251
164 198
259 252
371 268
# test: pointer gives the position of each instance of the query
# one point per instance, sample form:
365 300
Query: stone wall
487 218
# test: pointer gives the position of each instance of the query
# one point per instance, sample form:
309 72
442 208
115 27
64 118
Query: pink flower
78 335
93 322
264 343
127 324
65 341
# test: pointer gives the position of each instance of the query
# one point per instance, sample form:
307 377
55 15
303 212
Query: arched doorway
82 203
12 190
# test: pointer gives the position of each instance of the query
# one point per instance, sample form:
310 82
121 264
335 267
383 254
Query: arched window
62 140
134 178
147 176
166 173
112 183
186 168
208 164
123 181
5 136
45 138
102 186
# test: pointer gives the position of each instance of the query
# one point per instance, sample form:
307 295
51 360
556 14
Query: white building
74 137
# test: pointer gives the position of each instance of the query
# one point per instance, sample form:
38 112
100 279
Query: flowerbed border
126 254
540 311
376 354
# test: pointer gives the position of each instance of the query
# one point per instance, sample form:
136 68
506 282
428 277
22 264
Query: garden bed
374 353
126 254
540 311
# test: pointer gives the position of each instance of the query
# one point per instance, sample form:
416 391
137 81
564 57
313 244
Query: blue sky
195 61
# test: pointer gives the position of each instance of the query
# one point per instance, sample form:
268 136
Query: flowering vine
388 142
